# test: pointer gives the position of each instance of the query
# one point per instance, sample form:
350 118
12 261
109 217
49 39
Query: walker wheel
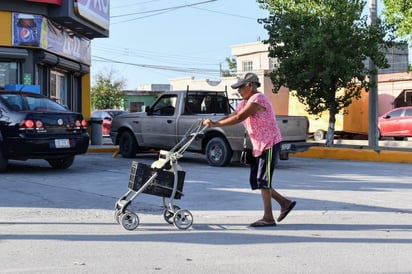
117 215
183 219
168 214
129 220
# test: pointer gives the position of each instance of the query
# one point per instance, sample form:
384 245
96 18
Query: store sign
37 31
94 11
27 78
55 2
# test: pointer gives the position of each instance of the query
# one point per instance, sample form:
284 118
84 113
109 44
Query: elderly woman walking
258 117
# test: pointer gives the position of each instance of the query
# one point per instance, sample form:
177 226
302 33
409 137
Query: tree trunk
330 135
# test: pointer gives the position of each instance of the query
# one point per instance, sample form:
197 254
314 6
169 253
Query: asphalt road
351 217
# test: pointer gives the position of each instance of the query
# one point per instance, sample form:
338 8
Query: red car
396 123
107 116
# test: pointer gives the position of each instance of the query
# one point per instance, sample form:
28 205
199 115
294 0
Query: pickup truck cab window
206 104
165 105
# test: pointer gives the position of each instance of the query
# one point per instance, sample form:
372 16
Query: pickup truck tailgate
293 128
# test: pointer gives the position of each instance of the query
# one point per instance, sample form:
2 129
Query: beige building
251 57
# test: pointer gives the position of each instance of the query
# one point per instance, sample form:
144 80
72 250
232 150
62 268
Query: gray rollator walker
164 178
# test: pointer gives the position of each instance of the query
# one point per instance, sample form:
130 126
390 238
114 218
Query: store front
60 78
47 44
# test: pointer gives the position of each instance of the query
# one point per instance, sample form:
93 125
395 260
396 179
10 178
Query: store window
8 73
58 87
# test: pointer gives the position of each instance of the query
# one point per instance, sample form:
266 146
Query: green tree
107 93
321 47
231 62
399 12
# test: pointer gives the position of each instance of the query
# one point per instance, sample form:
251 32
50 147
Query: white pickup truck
167 120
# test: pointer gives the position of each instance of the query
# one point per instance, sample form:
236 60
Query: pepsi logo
25 33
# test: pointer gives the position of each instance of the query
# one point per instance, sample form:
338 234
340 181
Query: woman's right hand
207 122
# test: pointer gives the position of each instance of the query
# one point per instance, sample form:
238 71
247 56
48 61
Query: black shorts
260 178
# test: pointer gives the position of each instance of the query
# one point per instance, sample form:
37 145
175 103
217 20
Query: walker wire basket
162 185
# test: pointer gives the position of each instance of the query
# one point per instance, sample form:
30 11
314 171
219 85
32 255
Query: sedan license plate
62 143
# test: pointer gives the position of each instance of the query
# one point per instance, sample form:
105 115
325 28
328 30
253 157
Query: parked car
396 123
33 126
107 116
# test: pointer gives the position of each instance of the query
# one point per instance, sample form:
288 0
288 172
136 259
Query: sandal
262 223
285 212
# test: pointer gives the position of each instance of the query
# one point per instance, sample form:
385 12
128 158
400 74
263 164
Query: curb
102 149
356 154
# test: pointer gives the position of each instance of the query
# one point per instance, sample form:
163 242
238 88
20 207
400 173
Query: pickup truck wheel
218 152
3 161
127 145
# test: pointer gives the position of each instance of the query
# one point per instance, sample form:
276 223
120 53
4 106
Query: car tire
218 152
127 145
3 161
62 163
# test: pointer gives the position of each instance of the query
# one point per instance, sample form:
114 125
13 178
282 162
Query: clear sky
152 41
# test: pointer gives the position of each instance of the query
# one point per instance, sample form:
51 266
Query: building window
408 97
58 87
136 106
247 66
273 63
8 73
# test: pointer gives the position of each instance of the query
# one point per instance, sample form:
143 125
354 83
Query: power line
158 11
170 68
164 9
164 57
132 4
225 13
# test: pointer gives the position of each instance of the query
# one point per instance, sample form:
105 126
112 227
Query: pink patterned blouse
262 127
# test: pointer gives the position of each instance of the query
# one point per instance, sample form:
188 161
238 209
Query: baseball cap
247 78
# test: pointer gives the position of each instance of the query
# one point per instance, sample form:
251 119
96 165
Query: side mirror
149 110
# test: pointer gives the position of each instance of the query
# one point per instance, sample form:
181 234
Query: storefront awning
61 62
13 53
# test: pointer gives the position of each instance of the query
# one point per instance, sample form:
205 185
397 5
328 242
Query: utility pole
373 92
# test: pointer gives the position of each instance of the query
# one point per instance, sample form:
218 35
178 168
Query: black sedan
33 126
